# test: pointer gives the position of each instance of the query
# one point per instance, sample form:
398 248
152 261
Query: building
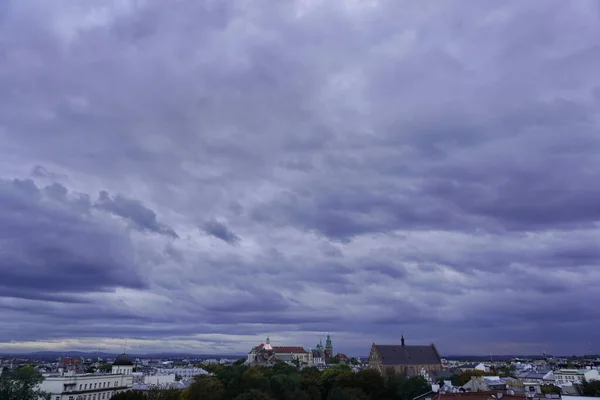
404 359
470 367
266 354
568 377
160 381
122 365
318 358
537 376
71 386
184 373
71 364
328 347
483 396
485 384
322 354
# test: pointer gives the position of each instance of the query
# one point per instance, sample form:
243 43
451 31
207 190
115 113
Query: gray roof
532 375
285 357
408 355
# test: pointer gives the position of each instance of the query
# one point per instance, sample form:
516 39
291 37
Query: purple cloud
368 170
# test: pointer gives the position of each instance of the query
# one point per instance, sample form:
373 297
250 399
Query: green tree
331 376
370 382
550 389
400 387
168 394
282 385
253 378
309 383
589 388
22 384
347 393
205 388
253 394
105 367
415 386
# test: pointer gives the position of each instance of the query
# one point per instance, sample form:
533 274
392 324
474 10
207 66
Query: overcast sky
194 175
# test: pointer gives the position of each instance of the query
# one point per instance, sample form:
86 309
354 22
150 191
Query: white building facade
159 381
567 377
85 386
184 373
71 386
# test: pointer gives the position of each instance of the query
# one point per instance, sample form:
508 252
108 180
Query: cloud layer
194 177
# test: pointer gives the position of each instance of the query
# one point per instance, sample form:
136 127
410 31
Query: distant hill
502 357
85 354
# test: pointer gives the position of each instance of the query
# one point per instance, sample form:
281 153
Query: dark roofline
436 352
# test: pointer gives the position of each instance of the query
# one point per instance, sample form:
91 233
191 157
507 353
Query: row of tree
284 382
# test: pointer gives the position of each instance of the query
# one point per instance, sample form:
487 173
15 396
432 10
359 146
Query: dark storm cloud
133 210
49 250
220 231
390 168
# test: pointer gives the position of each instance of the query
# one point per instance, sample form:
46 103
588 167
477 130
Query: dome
123 360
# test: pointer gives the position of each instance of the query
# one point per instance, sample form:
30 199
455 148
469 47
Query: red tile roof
289 349
477 396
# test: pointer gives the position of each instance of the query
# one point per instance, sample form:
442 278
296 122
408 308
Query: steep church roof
407 355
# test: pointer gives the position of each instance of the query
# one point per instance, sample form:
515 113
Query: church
266 354
410 360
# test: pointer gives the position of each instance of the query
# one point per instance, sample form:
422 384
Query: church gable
404 355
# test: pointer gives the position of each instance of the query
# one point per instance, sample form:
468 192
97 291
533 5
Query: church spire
329 346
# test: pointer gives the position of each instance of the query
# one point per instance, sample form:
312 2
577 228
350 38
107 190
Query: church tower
328 347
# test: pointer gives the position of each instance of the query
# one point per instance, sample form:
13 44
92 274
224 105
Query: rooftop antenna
125 347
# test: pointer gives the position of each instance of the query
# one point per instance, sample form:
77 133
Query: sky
196 175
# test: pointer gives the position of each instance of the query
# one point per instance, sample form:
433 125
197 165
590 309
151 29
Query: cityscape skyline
196 176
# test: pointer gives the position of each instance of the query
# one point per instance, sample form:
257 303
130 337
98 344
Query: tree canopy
21 384
589 388
284 382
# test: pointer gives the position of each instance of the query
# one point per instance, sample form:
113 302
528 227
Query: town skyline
240 350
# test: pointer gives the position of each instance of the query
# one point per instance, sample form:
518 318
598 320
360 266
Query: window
80 385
